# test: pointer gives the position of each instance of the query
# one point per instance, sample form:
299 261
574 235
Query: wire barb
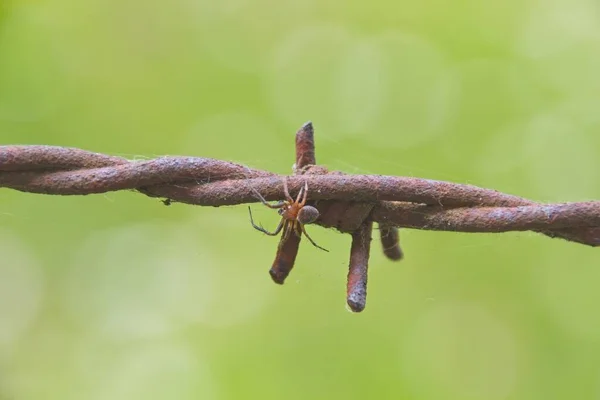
390 242
356 291
349 203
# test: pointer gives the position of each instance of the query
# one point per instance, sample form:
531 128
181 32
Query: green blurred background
117 297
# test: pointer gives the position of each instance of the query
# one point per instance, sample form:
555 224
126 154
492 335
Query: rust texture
390 242
30 158
489 219
288 247
356 291
346 202
305 146
376 189
194 180
132 175
345 216
285 258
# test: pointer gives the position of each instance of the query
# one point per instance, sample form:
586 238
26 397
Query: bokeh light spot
152 280
567 284
462 350
21 289
561 159
138 281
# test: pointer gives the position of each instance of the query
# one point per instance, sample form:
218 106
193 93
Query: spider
294 214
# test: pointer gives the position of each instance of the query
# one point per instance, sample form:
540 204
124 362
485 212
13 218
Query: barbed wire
427 204
349 203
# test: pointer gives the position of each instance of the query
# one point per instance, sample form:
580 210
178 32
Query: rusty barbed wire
349 203
209 182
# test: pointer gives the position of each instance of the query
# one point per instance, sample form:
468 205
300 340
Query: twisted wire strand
390 200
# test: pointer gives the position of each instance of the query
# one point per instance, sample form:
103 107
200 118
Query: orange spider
294 214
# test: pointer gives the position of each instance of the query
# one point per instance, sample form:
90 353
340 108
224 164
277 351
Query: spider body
294 214
307 215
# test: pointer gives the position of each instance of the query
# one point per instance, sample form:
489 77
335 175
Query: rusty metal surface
346 202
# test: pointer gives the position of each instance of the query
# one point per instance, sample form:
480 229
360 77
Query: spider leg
299 195
303 202
310 239
286 191
286 230
297 228
263 230
279 204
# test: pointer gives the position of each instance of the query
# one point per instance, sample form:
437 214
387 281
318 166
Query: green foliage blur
116 296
